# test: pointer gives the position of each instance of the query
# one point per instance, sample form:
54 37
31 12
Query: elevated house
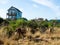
14 13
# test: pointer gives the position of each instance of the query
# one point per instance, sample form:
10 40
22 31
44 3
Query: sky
31 9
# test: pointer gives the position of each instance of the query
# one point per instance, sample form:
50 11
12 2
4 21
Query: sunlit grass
47 38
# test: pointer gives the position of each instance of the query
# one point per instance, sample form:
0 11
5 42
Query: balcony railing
11 14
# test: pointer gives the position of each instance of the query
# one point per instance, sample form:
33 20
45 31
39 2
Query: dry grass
46 38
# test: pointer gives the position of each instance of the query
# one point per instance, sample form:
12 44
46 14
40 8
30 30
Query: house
14 13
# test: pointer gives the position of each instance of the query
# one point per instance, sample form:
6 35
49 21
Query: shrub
8 30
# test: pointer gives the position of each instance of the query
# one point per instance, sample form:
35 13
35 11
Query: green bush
32 24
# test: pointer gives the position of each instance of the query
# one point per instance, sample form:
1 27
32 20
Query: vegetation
40 23
23 28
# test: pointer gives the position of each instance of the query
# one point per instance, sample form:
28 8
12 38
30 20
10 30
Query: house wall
18 13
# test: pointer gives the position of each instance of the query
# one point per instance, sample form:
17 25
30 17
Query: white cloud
3 13
4 1
34 5
49 4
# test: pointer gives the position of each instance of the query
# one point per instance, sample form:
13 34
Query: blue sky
31 9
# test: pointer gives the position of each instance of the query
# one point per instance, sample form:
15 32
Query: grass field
46 38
